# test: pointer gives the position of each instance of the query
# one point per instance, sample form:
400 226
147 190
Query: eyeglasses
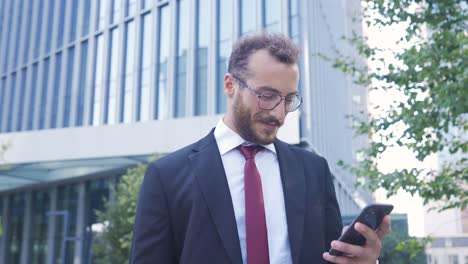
268 101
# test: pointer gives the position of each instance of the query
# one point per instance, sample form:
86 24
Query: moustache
271 120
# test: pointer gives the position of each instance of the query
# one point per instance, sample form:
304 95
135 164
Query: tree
112 245
431 116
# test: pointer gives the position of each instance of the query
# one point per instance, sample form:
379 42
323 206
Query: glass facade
41 205
15 234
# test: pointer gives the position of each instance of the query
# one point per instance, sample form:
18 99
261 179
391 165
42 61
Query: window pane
102 14
82 84
181 60
294 20
32 98
131 7
248 16
27 34
38 28
2 101
50 23
21 96
68 87
16 227
164 35
224 51
146 67
56 91
203 36
73 20
272 15
130 51
86 16
11 103
113 75
67 201
98 81
116 6
41 205
19 21
8 27
61 22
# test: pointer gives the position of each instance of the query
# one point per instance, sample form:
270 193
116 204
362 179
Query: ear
229 88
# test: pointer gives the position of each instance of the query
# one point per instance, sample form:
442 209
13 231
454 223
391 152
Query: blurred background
91 90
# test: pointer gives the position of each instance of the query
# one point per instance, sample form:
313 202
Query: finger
344 229
370 235
349 250
384 228
336 259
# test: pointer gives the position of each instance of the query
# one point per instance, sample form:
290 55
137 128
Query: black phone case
372 216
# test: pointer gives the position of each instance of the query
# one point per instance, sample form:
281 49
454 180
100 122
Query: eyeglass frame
260 95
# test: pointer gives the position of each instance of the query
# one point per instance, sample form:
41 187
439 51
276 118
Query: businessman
240 195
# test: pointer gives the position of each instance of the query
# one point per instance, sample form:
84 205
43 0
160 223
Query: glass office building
91 88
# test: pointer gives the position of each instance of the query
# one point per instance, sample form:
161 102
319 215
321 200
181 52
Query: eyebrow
271 89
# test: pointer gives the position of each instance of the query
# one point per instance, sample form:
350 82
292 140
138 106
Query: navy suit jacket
185 212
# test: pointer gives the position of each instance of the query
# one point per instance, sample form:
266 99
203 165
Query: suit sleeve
152 234
332 211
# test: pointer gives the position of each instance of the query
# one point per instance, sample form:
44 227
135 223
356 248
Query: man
239 195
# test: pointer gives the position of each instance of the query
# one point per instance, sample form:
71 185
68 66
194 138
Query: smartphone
372 216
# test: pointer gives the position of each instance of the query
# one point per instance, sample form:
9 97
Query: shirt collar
227 139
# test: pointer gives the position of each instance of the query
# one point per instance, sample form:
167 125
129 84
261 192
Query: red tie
255 223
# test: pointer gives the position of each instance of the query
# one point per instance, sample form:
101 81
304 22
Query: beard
245 124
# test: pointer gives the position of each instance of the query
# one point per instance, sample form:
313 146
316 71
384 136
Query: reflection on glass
116 4
27 34
50 23
38 28
22 90
294 20
201 73
113 74
181 60
101 16
86 16
272 15
40 207
74 18
82 84
16 227
42 105
131 7
67 200
248 16
98 81
130 51
224 50
61 22
11 103
18 32
56 89
164 35
68 87
146 68
32 97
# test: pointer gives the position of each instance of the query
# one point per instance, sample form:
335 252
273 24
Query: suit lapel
294 189
209 171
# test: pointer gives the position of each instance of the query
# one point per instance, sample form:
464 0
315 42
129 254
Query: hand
368 253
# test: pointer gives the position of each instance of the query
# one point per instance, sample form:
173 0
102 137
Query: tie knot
249 151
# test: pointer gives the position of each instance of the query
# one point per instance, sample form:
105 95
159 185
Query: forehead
268 71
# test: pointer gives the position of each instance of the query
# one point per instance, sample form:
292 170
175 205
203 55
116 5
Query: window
294 20
201 73
32 97
146 68
68 88
224 50
113 75
19 21
181 60
16 227
21 96
2 101
272 15
27 34
131 7
86 16
98 82
41 205
11 103
8 27
67 200
164 35
50 23
116 6
38 29
127 93
82 84
453 259
56 90
73 20
61 22
248 16
101 14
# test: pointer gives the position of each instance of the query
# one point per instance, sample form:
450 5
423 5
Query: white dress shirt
268 167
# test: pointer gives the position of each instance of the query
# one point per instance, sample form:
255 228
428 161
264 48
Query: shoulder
301 153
